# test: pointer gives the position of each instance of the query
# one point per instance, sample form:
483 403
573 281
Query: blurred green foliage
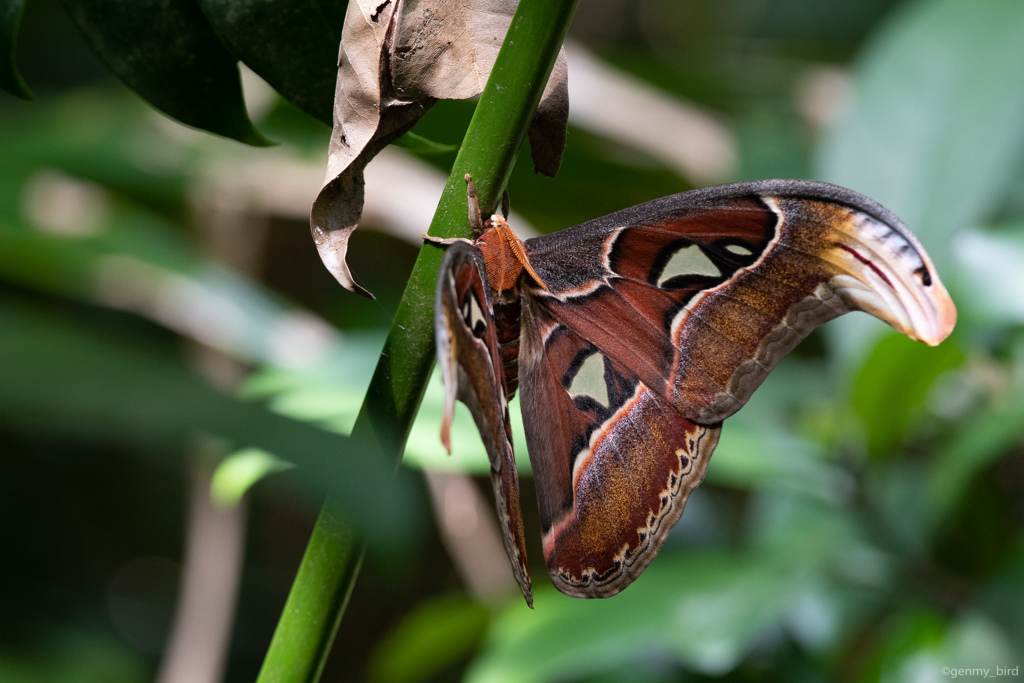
861 520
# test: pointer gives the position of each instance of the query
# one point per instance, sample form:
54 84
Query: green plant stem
495 135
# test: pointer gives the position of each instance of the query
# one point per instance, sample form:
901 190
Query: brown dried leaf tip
396 60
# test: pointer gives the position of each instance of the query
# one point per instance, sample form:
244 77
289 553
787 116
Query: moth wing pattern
645 329
691 300
613 461
470 363
703 293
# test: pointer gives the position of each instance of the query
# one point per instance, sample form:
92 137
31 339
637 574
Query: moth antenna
505 203
520 254
475 219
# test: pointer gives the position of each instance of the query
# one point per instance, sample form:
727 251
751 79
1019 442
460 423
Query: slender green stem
495 135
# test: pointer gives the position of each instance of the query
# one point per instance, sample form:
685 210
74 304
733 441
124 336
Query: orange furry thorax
504 255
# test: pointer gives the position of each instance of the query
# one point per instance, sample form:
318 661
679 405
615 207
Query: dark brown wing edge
468 354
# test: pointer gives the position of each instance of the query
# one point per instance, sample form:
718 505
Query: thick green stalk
495 135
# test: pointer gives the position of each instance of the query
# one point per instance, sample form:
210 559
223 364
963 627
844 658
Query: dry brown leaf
397 58
367 118
446 50
548 128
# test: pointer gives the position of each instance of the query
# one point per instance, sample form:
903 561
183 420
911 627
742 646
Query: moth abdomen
507 312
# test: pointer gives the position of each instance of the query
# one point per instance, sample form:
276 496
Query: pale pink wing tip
945 318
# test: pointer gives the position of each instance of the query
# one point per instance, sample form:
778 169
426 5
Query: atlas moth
632 337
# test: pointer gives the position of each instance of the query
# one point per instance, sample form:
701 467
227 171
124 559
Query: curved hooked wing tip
883 270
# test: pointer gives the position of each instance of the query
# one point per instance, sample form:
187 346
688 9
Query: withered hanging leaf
368 116
446 50
548 128
397 59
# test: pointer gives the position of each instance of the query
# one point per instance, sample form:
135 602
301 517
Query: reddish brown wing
470 361
702 294
613 461
666 317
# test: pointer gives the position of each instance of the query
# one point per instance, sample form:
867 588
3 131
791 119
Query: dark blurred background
861 520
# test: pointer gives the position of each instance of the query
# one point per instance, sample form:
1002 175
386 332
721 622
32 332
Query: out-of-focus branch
215 540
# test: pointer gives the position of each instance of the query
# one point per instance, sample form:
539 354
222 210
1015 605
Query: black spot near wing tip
926 277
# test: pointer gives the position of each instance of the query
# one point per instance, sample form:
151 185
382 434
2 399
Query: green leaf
291 44
921 645
130 258
991 276
79 656
907 633
238 472
166 52
58 376
892 386
1003 595
980 441
766 456
703 612
435 635
937 122
330 395
821 539
10 79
